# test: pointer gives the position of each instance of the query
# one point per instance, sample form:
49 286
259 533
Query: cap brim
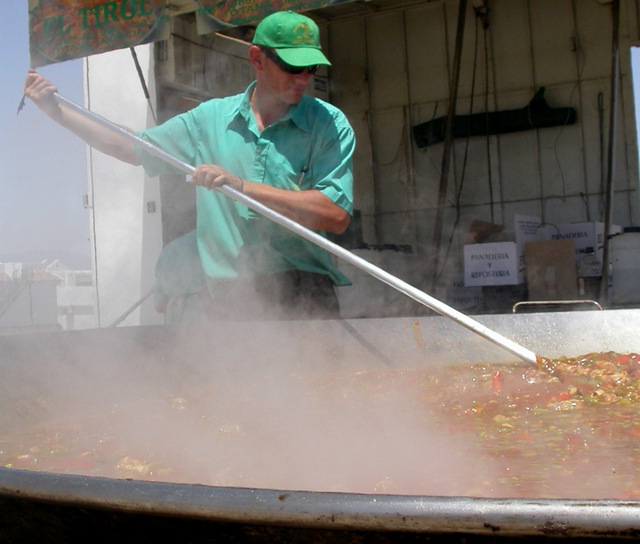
302 56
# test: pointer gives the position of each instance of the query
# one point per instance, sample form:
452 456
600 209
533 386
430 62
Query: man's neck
266 110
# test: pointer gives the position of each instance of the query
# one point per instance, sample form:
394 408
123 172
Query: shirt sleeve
178 137
333 169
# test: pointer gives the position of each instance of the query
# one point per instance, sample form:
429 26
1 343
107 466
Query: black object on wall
536 114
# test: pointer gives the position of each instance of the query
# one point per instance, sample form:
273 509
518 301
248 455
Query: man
277 145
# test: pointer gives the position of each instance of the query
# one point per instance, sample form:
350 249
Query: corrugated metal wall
391 71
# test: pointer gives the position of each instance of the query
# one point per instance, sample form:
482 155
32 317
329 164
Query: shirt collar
244 106
297 114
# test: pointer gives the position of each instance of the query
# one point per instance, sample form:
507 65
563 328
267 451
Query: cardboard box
492 264
551 270
481 231
527 229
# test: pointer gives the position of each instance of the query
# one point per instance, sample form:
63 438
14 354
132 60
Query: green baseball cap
294 37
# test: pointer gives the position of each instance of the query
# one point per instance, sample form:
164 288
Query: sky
42 167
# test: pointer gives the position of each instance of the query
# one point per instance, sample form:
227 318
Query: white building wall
28 304
76 299
124 203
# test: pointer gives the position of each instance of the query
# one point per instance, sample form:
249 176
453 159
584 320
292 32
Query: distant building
45 296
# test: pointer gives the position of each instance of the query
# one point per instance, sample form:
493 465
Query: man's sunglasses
273 56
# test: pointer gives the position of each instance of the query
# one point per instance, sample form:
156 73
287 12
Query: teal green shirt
314 137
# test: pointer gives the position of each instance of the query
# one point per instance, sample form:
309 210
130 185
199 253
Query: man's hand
40 91
210 176
310 208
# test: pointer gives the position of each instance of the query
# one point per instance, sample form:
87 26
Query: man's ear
256 57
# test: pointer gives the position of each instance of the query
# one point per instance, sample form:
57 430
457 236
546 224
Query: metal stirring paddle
416 294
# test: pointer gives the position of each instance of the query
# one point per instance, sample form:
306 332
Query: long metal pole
608 213
391 280
131 308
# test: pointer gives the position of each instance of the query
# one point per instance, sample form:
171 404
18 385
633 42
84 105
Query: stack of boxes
542 256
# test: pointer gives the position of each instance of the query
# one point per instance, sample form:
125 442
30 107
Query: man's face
286 87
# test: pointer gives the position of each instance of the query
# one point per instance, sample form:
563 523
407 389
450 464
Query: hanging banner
67 29
213 15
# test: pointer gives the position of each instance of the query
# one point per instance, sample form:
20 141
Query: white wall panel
390 141
511 45
551 38
468 54
128 236
478 175
593 120
594 30
427 164
396 228
519 159
426 54
349 87
561 162
386 57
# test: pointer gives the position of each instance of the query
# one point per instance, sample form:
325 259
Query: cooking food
572 433
486 430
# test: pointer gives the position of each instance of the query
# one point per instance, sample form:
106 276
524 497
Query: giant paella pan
372 430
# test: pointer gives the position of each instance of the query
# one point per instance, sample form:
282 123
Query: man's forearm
310 208
96 135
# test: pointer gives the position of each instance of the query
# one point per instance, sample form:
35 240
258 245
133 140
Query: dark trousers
287 295
185 294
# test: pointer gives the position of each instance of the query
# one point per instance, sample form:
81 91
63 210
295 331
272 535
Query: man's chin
296 96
